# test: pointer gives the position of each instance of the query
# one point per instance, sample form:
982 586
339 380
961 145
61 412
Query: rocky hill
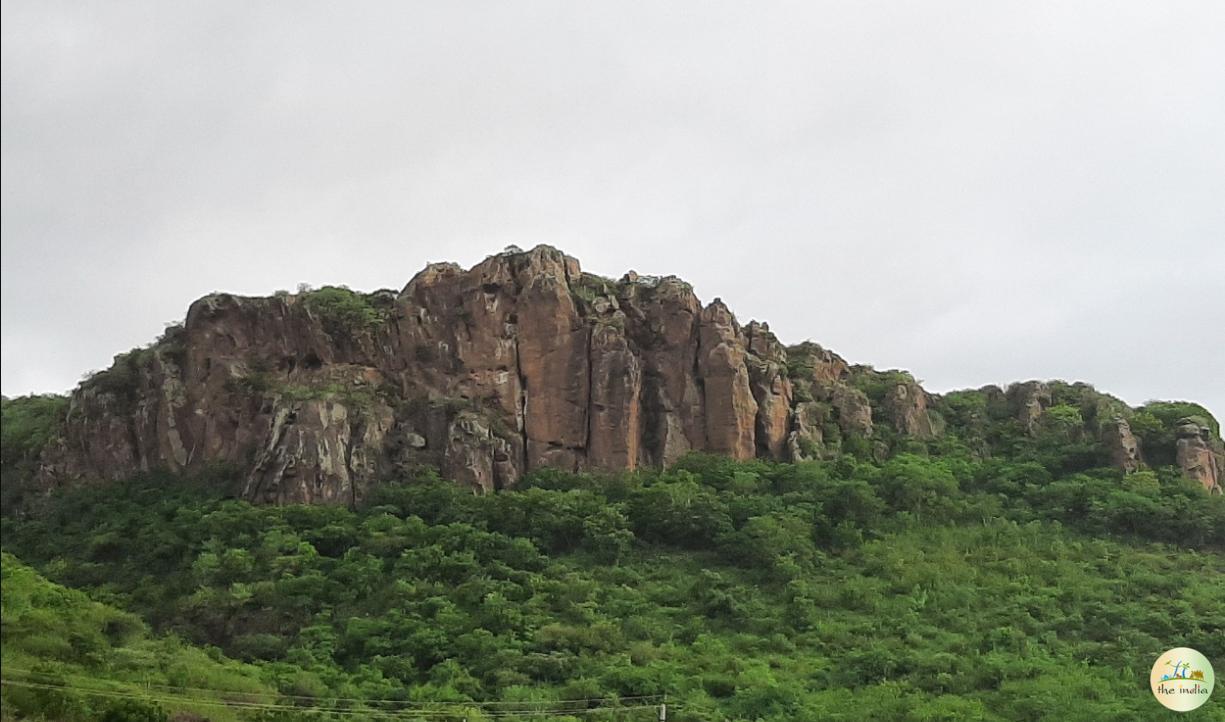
525 361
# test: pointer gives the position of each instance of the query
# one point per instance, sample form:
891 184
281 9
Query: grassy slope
56 636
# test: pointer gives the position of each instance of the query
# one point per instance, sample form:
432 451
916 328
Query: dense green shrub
931 585
1170 412
122 380
877 384
344 313
1156 425
131 710
73 659
27 424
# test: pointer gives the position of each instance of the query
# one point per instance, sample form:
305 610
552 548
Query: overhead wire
606 701
365 700
433 710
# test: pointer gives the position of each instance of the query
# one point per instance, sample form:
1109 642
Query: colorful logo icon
1182 679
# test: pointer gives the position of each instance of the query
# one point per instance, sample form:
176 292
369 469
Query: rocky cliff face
521 362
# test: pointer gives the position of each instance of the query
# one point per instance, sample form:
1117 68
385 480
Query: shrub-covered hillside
27 425
918 588
66 657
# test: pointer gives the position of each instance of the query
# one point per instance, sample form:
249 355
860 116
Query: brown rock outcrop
319 451
523 361
825 388
906 406
615 419
477 457
767 364
731 410
661 325
826 367
807 438
1196 456
552 343
1121 445
1028 400
853 408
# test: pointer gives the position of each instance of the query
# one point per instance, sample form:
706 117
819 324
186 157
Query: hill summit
522 362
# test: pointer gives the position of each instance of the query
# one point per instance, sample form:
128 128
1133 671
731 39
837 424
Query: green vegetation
877 384
1066 436
122 380
346 314
353 390
934 588
994 573
1156 425
588 287
1169 412
69 658
357 397
27 425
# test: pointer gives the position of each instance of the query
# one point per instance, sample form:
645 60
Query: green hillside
920 588
66 657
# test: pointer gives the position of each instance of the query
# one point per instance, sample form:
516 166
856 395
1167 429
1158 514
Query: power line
185 700
408 703
457 711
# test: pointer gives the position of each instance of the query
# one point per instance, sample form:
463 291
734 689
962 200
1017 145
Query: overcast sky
979 192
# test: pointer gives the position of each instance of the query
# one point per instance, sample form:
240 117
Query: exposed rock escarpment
1199 455
521 362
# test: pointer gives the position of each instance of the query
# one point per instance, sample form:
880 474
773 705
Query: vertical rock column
661 324
553 363
615 418
731 410
767 365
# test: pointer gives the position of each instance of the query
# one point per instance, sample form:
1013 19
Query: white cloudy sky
977 191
